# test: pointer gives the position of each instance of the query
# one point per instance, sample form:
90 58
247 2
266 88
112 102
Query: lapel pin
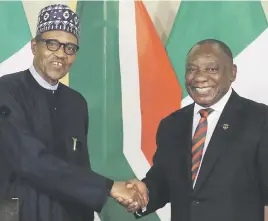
74 143
225 126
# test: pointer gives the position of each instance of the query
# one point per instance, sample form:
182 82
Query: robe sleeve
30 160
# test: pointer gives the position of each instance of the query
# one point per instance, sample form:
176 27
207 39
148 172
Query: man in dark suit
212 157
43 140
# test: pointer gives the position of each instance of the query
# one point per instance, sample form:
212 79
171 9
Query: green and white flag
241 25
15 53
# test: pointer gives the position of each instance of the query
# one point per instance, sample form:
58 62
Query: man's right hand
143 191
126 195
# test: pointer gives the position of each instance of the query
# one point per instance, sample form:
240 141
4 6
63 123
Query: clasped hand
131 194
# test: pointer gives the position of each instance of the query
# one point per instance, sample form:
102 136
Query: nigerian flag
241 25
15 54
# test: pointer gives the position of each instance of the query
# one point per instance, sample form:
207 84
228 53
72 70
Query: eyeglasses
55 45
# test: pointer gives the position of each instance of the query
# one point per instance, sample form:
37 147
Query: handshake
131 194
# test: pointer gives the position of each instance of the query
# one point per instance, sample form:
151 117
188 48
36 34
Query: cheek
71 60
43 57
216 79
188 78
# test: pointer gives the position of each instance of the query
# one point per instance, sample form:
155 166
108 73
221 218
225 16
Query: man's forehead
208 50
60 35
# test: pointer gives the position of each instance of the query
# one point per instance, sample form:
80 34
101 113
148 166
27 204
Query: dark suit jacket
233 180
52 181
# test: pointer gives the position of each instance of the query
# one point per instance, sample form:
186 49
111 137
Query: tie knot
205 112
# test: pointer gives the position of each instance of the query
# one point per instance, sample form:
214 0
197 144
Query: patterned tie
198 141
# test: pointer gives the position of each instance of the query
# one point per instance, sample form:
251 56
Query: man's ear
33 46
234 71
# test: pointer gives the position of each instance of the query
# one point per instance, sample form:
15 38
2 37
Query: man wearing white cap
44 139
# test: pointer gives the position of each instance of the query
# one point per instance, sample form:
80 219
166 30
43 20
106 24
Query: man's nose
60 53
201 76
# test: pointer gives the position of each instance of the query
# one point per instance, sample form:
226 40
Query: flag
242 25
124 73
15 54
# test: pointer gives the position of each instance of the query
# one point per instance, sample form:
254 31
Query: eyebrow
65 42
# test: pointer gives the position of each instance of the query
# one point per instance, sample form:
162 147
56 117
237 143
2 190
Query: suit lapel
226 128
186 141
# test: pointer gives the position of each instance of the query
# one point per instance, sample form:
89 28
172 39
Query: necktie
198 141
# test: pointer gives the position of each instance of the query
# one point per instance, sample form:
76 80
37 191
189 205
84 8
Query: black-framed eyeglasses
55 45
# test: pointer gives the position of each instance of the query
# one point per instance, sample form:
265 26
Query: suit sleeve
31 161
262 159
155 179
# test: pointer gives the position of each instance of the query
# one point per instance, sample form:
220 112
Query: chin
203 104
203 101
56 76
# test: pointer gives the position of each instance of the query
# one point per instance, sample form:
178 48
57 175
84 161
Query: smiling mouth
203 90
57 64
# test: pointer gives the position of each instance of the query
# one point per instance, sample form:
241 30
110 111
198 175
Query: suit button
4 111
194 203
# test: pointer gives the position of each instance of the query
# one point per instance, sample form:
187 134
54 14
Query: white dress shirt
41 81
212 121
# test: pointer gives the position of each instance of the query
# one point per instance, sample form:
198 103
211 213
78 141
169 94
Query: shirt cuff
138 214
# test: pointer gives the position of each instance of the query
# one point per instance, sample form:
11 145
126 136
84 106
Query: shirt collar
219 106
41 81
